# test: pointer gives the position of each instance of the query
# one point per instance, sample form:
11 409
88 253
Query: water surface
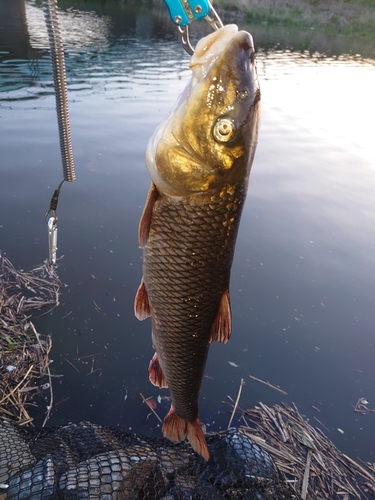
302 286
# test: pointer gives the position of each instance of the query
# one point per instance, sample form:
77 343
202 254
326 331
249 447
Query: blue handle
199 8
184 15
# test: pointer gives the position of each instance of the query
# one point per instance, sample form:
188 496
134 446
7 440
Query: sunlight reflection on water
80 30
333 96
329 93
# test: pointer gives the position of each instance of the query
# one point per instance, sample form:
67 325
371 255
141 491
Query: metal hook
183 33
52 239
213 20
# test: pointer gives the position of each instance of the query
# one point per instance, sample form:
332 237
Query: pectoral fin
156 374
141 303
145 222
221 327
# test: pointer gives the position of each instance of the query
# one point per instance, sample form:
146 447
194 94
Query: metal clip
183 12
213 19
52 239
183 34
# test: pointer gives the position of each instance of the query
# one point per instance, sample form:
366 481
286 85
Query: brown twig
18 385
268 384
144 400
305 482
242 383
71 364
88 356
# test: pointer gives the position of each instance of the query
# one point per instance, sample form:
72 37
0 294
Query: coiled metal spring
61 93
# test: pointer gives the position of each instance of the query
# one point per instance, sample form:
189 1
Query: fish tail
176 429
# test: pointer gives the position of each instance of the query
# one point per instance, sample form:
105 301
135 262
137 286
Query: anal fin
145 222
222 325
176 429
156 374
141 303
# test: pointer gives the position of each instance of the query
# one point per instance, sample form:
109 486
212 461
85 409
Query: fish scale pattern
85 461
186 270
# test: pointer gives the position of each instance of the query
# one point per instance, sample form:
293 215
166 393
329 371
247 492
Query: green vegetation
349 17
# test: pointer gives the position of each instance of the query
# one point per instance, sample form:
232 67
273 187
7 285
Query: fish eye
224 130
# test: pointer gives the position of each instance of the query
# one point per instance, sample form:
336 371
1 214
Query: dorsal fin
145 222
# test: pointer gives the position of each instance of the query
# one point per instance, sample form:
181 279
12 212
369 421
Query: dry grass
24 354
313 465
347 17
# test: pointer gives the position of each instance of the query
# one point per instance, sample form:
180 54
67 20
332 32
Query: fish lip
208 53
212 45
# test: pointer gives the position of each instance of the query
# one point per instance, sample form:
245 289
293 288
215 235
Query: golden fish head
208 140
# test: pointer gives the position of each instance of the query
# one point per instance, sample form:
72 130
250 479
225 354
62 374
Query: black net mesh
88 461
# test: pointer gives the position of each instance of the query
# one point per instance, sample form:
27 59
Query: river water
302 286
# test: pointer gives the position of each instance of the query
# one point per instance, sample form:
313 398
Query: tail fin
176 429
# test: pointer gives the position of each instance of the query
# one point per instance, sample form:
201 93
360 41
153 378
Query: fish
199 161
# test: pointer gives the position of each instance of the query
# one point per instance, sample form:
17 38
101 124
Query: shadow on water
14 37
302 292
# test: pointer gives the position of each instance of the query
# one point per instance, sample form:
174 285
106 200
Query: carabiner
183 12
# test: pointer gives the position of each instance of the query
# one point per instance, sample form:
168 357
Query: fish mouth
213 46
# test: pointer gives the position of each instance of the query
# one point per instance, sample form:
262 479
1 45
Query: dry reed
24 353
312 464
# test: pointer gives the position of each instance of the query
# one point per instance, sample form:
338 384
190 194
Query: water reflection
309 41
331 95
99 61
81 30
14 39
96 61
302 282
